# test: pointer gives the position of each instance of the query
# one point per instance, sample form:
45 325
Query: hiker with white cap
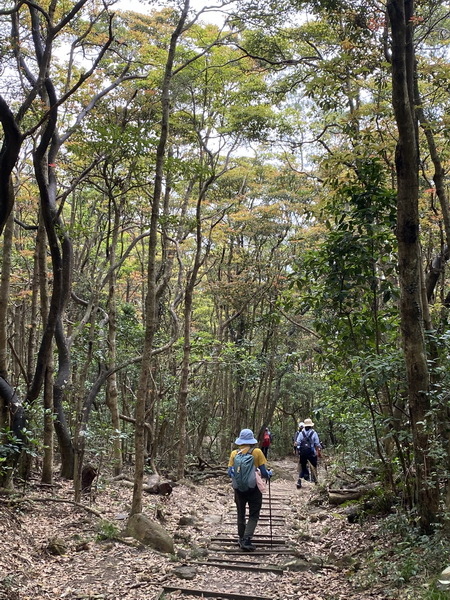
309 447
242 469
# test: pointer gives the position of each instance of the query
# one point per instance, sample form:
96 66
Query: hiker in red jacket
266 441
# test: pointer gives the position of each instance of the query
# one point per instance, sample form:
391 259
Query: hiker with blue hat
242 469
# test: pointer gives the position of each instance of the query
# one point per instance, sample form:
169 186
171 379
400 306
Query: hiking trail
306 550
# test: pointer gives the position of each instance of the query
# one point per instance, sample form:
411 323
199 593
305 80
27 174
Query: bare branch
10 11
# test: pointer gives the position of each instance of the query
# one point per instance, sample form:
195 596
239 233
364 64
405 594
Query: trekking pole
270 516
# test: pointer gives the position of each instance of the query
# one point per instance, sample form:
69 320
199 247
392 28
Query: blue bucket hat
245 437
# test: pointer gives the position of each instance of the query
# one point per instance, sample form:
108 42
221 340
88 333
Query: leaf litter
89 567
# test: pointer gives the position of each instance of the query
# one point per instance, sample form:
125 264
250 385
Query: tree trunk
112 394
4 294
185 368
411 308
9 153
4 299
150 303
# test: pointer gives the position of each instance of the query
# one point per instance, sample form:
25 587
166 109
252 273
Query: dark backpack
305 448
244 471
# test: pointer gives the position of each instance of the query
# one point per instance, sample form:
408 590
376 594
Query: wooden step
200 593
262 551
234 565
255 539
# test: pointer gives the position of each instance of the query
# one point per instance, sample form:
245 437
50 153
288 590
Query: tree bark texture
9 153
409 254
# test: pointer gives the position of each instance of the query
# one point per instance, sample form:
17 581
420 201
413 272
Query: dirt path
312 553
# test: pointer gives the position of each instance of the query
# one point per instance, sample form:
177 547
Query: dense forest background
215 225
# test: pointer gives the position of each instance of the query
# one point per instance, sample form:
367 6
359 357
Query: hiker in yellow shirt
242 469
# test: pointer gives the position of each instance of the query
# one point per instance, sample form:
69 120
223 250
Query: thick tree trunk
409 254
9 153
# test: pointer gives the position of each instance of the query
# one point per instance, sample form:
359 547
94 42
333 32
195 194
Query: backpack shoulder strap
242 454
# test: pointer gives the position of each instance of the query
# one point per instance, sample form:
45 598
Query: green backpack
244 472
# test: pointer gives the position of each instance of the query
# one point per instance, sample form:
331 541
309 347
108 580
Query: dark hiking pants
253 498
304 472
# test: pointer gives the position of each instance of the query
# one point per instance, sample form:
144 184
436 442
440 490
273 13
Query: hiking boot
246 545
299 484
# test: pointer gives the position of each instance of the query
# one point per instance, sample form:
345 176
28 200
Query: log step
257 552
212 594
255 540
236 566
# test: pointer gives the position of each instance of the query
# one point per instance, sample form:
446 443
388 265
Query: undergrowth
405 562
107 531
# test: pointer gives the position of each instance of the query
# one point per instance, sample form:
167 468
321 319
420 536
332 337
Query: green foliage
405 560
130 332
106 530
11 447
348 282
380 501
429 595
10 443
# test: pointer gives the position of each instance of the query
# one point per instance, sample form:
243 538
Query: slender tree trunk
184 382
150 303
11 409
4 294
112 393
437 264
48 438
59 386
5 422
